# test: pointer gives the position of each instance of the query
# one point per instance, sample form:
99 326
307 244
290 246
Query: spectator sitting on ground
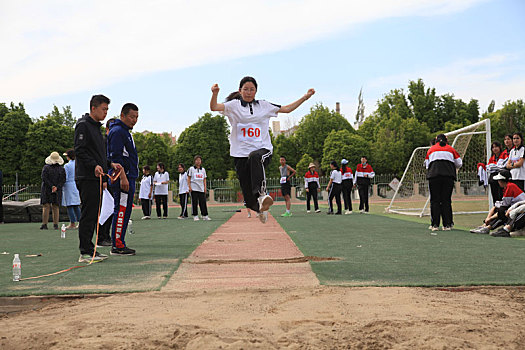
515 223
512 194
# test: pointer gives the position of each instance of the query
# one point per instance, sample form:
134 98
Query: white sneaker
362 211
195 218
318 211
265 202
308 211
348 212
249 215
263 216
206 218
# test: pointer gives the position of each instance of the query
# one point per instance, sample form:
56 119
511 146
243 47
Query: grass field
395 250
160 245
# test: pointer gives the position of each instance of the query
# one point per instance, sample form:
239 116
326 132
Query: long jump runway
244 253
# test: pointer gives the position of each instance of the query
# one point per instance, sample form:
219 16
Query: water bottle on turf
130 227
63 231
17 268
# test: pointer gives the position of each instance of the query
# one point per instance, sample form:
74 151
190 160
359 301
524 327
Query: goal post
412 194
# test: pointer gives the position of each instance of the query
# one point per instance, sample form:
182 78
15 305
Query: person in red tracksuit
363 174
311 184
441 162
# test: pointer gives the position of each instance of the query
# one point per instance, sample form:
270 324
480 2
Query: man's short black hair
146 167
129 107
97 100
283 157
110 122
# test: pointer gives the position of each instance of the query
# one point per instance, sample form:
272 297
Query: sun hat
54 158
503 175
311 165
344 161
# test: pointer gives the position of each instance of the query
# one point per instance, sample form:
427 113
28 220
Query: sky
164 55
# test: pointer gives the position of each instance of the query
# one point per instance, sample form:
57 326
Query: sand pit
238 297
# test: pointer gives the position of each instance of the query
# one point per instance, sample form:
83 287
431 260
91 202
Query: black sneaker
330 213
43 227
122 251
500 233
55 226
338 213
104 244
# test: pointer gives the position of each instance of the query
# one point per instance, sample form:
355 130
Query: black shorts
286 189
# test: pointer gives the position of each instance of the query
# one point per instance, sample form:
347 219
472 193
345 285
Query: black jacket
90 149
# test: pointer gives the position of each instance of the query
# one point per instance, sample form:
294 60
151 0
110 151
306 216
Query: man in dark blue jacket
122 150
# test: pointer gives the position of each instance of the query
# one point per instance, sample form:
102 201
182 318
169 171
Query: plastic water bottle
63 231
130 227
17 268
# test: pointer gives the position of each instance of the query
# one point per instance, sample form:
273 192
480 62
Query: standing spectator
363 174
348 182
146 192
122 150
197 189
53 179
497 162
1 197
104 232
70 197
516 162
250 143
183 191
287 172
161 181
441 162
334 188
90 166
311 185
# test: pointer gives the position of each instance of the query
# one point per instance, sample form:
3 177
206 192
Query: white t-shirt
197 178
514 156
250 125
183 183
336 176
158 178
145 187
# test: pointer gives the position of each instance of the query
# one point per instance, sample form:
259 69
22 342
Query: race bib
283 179
249 133
198 176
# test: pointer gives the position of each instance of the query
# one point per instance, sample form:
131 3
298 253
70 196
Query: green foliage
316 126
61 118
207 137
507 120
153 148
14 124
302 165
343 144
42 138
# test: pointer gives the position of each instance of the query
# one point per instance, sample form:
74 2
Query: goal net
412 195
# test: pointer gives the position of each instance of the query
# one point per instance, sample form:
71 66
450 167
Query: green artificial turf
393 250
160 245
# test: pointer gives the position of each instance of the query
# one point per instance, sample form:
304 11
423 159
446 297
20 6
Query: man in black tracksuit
91 163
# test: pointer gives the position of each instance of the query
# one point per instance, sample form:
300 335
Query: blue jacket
122 150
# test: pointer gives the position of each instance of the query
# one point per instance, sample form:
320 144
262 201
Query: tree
62 118
302 164
44 137
343 144
316 126
14 124
153 148
507 120
360 115
207 137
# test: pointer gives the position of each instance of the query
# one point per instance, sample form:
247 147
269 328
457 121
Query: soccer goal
412 195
